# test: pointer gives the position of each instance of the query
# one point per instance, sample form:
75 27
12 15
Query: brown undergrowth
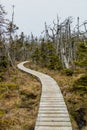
75 98
19 100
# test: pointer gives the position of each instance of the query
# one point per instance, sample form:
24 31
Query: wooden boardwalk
53 113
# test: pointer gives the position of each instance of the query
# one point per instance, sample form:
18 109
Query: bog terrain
60 53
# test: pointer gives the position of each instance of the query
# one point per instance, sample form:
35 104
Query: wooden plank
52 123
52 128
53 113
64 115
56 119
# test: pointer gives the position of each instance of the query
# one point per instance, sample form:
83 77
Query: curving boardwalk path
53 113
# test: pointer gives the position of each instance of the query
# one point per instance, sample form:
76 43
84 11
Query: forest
60 51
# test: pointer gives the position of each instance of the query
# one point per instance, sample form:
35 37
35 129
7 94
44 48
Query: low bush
2 113
9 86
1 76
67 72
3 63
80 84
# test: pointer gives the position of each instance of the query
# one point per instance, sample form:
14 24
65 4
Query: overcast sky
30 15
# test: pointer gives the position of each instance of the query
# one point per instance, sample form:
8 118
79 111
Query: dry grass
76 102
20 96
19 101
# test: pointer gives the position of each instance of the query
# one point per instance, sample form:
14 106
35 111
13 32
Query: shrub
80 84
28 95
2 113
3 64
10 86
67 72
1 76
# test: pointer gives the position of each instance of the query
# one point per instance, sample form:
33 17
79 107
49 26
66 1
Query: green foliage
45 55
82 47
54 63
78 116
80 84
2 113
8 86
1 76
36 55
67 72
12 86
3 62
81 63
27 99
81 55
28 95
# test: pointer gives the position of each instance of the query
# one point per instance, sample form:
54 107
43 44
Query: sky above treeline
30 15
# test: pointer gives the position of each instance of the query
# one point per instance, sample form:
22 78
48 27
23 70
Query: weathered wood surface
53 113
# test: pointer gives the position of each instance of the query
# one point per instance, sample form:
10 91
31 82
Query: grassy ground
20 96
19 100
76 99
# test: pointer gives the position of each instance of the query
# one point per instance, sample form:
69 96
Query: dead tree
46 33
11 28
65 41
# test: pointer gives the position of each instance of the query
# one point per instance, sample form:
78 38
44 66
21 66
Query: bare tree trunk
9 57
63 56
